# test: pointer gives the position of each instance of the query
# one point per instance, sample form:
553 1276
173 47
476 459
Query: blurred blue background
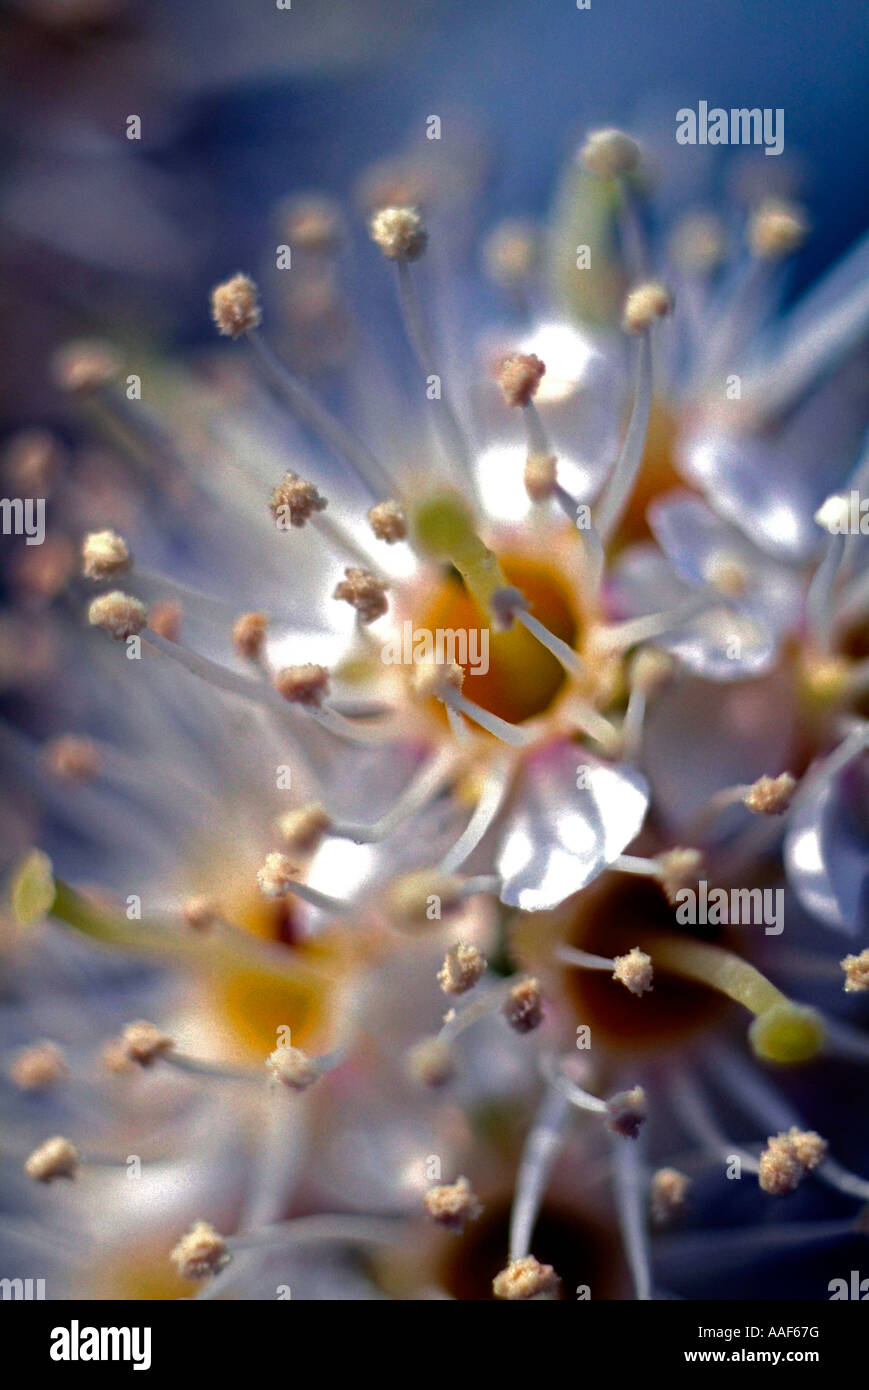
242 102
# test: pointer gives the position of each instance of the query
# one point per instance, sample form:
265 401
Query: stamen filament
446 422
538 1155
492 799
616 494
318 419
508 733
630 1194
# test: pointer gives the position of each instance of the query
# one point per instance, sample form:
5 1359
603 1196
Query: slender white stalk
617 492
446 422
631 1201
538 1155
424 787
583 960
494 792
508 733
320 421
762 1101
820 598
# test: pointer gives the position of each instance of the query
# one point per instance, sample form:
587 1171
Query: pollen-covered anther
698 245
388 521
200 913
540 476
668 1193
118 614
424 895
144 1042
292 1067
644 305
519 376
634 971
526 1279
787 1158
302 685
771 796
276 875
610 153
400 233
726 573
523 1008
856 970
430 1063
235 306
86 366
295 500
626 1112
679 868
650 669
365 592
200 1253
435 679
776 229
834 514
56 1158
311 222
453 1205
249 635
104 554
38 1067
463 966
511 253
303 828
165 618
72 758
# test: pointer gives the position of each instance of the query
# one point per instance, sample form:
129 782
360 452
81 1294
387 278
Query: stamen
698 1120
640 311
446 421
249 635
768 796
820 605
38 1067
425 786
295 500
787 1158
495 789
668 1195
856 970
535 1165
236 312
453 1205
527 1280
777 229
55 1158
104 555
118 614
649 670
463 966
633 970
630 1194
72 758
388 521
365 592
622 636
751 1091
277 878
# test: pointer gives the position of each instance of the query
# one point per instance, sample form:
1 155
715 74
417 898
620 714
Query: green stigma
787 1033
444 527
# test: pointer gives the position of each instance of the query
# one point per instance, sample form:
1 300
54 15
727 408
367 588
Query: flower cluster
286 850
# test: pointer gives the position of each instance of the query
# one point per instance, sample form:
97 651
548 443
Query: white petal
562 836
